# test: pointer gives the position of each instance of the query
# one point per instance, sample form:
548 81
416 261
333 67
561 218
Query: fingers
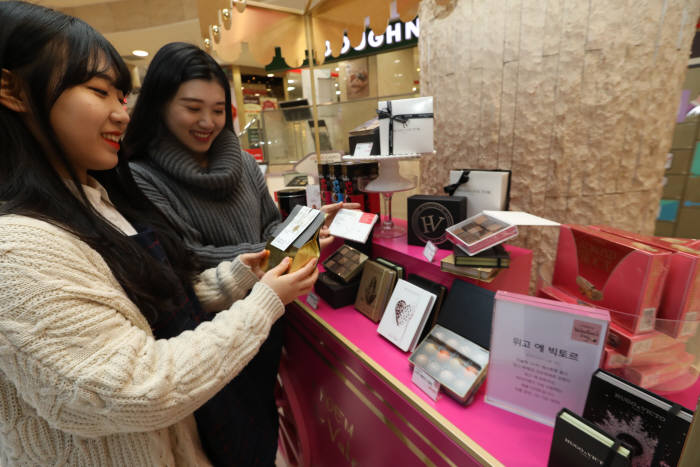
351 205
331 208
282 267
306 285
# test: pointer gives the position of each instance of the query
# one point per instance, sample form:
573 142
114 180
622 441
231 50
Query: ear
12 95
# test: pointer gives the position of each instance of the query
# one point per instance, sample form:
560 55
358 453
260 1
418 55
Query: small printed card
295 228
353 224
312 299
429 251
427 383
405 315
363 149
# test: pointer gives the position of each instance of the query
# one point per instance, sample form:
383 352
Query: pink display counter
348 399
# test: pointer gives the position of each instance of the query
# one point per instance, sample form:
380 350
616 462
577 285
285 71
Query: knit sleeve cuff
217 288
242 278
265 299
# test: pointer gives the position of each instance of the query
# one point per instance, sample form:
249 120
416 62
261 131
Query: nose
206 121
120 116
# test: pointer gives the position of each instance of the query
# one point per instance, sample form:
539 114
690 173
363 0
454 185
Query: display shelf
511 439
455 434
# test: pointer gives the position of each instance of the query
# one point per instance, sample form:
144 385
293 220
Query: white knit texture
83 381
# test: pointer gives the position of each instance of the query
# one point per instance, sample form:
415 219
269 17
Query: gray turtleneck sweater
222 210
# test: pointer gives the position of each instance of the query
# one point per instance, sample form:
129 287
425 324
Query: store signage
397 34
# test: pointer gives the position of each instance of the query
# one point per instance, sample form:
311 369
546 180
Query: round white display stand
388 182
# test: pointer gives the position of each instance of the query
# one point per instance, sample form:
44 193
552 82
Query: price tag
429 251
363 149
427 383
312 299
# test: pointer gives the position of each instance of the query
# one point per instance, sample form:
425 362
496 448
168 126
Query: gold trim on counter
454 433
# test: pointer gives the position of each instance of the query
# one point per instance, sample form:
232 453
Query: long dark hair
174 64
49 53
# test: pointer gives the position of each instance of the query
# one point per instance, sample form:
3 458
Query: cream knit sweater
83 381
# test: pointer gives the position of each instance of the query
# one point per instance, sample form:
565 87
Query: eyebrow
199 101
110 79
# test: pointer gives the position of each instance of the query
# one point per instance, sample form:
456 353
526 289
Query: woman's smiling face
89 120
197 114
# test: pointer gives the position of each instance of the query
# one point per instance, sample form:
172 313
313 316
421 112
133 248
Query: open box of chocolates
456 363
345 263
480 232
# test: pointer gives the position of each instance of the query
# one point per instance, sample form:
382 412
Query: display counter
348 399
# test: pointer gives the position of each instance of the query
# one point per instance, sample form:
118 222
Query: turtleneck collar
223 170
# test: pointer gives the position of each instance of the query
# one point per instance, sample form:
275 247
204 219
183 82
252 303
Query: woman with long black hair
90 270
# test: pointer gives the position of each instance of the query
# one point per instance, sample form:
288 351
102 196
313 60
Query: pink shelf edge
510 438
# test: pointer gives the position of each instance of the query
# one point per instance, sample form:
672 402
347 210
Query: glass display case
287 133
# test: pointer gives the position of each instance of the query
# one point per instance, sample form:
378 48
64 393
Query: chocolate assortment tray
456 363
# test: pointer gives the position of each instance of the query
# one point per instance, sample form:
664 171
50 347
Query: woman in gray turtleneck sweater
187 160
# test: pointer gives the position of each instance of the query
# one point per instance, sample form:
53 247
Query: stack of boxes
679 211
650 285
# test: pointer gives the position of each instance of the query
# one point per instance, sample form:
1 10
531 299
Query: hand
332 209
324 237
254 261
290 286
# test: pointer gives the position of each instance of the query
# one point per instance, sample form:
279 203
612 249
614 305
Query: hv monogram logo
429 222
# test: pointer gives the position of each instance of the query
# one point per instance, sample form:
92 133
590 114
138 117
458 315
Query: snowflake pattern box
651 426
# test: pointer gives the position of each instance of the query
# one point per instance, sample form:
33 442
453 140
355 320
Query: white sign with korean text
543 354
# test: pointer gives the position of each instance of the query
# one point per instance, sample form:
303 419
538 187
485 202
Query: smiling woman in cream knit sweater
89 269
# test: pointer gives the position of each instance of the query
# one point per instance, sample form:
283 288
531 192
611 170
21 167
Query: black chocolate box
429 216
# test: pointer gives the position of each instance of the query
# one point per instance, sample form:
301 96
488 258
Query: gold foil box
304 248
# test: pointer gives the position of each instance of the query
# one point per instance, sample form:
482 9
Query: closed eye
99 91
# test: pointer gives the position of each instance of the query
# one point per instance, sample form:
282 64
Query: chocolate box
629 344
429 216
334 292
620 274
679 310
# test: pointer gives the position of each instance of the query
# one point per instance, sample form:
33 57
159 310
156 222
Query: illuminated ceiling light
290 81
338 92
270 75
290 88
397 61
257 93
417 69
337 68
336 85
140 53
414 89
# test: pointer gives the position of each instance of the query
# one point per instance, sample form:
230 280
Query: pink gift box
612 272
630 344
679 309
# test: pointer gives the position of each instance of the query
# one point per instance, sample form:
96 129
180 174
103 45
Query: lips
112 139
201 136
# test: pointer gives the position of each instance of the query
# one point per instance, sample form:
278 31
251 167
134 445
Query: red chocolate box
679 310
629 344
613 272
